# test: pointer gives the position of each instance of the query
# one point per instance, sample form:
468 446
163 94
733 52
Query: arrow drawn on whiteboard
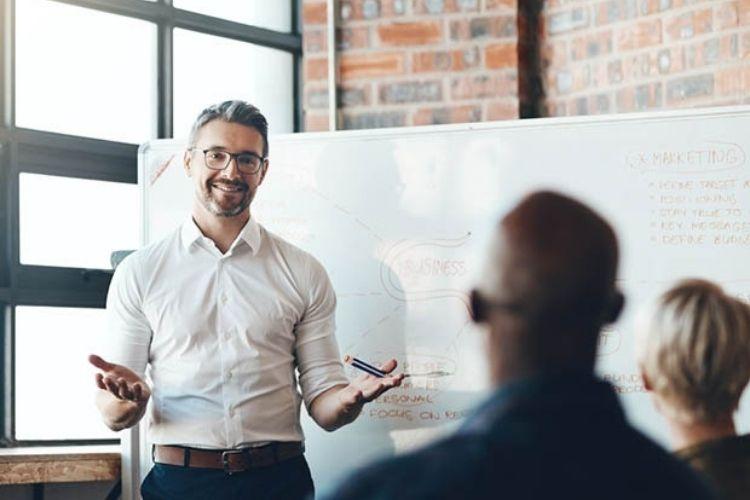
347 212
361 336
160 169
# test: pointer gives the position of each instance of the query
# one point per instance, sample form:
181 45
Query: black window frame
33 151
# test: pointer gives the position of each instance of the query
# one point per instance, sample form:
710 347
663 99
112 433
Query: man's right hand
121 382
126 394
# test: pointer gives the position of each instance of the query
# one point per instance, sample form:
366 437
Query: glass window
83 72
54 382
209 69
71 222
274 15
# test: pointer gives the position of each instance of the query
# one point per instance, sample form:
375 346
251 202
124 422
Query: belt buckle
226 464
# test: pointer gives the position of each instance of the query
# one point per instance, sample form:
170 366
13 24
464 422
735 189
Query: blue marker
365 367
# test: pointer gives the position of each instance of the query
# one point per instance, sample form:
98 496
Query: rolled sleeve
128 336
317 353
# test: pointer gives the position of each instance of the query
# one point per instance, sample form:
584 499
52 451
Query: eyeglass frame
232 156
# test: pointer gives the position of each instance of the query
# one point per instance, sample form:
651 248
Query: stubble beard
212 205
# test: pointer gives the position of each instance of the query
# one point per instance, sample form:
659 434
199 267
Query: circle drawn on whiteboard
610 341
710 156
425 269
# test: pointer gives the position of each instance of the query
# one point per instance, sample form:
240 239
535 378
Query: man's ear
614 307
646 382
263 170
478 307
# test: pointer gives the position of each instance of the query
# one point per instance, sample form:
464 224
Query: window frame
33 151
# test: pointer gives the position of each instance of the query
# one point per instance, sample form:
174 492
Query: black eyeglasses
218 159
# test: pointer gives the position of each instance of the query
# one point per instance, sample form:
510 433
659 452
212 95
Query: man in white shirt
222 312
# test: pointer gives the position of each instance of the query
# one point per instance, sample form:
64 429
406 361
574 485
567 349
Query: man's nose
232 170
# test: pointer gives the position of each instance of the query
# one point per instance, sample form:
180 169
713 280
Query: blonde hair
694 349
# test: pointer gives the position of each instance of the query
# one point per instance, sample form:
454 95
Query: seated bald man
551 429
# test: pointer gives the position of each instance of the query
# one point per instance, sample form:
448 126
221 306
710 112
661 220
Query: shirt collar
250 234
190 233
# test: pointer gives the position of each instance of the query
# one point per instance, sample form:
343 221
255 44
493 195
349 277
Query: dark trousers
289 479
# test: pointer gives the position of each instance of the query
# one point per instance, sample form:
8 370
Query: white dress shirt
222 335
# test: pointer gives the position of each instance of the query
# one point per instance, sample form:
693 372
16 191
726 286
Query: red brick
651 6
316 122
352 37
371 64
457 114
712 51
726 15
502 110
489 28
448 6
374 119
639 35
316 96
579 79
613 11
637 67
414 33
689 24
598 72
392 8
670 60
556 108
314 13
444 60
591 45
509 5
314 41
555 52
688 89
350 96
502 55
567 21
316 69
743 12
733 82
484 86
640 97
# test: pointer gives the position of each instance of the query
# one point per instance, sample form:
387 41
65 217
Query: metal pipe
332 10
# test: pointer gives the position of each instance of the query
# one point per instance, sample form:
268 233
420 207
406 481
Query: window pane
54 381
83 72
209 69
71 222
271 14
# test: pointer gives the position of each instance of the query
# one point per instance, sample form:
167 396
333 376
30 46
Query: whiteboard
400 218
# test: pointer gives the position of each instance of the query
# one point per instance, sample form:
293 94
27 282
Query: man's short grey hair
233 112
694 348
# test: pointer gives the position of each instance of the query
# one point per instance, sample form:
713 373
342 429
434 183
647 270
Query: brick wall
617 56
413 62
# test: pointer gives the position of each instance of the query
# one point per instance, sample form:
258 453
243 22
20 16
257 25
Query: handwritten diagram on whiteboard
400 220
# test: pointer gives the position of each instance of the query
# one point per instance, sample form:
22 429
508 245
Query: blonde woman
694 355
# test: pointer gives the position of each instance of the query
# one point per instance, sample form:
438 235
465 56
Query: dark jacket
560 436
725 462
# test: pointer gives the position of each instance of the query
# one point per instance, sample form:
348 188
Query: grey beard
215 209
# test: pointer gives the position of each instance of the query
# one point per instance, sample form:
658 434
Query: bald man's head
552 269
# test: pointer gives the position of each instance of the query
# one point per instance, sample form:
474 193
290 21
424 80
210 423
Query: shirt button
229 376
231 413
223 298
